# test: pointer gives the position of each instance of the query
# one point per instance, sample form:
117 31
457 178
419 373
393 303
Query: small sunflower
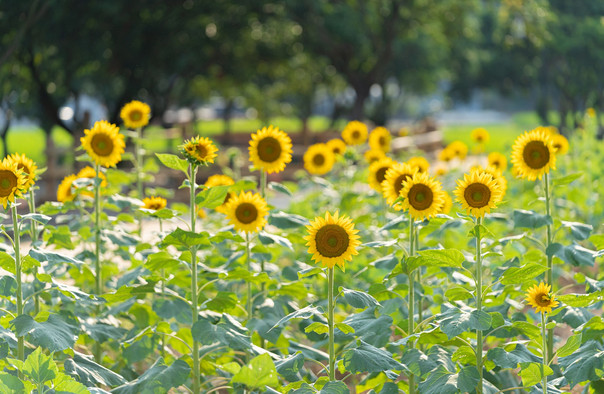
12 181
551 130
220 180
154 203
541 298
379 139
355 133
270 149
533 154
480 135
393 182
497 160
201 213
478 193
199 150
446 155
135 114
104 144
446 209
560 144
337 146
458 149
377 172
423 196
247 212
420 163
591 112
90 173
403 131
318 159
332 240
373 155
28 167
64 191
440 169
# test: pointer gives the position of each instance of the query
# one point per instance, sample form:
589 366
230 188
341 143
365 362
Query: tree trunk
305 132
226 117
358 109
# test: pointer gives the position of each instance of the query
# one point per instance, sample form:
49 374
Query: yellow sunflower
498 161
154 203
12 181
135 114
423 196
440 169
373 155
270 149
104 144
591 112
332 240
497 176
201 213
533 154
355 133
247 212
90 173
393 182
199 150
379 139
478 193
420 163
377 172
318 159
64 191
220 180
541 298
560 144
458 149
448 204
403 131
480 135
337 146
28 167
446 155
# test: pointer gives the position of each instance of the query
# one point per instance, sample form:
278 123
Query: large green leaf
335 388
226 330
286 221
304 313
173 162
520 275
55 258
159 378
368 358
436 258
54 334
573 254
259 373
416 362
367 327
267 239
359 299
290 366
511 355
585 364
186 239
212 197
530 219
455 321
580 231
39 367
439 381
10 384
531 373
91 374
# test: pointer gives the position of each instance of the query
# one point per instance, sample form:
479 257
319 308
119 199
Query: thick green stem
97 250
263 181
550 265
411 302
248 262
545 353
195 309
139 169
34 239
420 299
17 244
478 304
163 294
330 322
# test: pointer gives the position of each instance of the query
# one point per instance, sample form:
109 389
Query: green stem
97 250
248 262
17 243
550 265
330 322
478 303
545 353
163 294
195 310
411 303
34 239
139 179
263 181
420 299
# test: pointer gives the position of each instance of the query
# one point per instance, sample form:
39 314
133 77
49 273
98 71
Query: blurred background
225 68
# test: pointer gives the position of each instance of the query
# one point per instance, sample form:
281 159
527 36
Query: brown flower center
543 299
201 151
246 213
380 174
102 144
24 168
382 141
398 184
136 115
356 135
318 159
477 195
420 197
332 240
536 155
269 149
8 183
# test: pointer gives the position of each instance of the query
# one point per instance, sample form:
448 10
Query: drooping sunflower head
135 114
247 212
393 182
478 193
355 133
560 144
199 150
498 161
446 209
220 180
104 143
423 196
379 139
28 167
446 154
420 163
480 136
12 181
533 154
377 172
458 149
337 146
319 159
270 149
332 240
373 155
65 190
541 298
154 203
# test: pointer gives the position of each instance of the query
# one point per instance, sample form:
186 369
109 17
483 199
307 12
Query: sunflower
337 146
201 213
497 176
478 193
420 163
403 131
355 133
423 196
560 144
373 155
440 169
90 173
446 155
448 204
541 298
64 191
199 150
247 212
270 149
480 135
220 180
318 159
12 181
458 149
332 240
377 172
591 112
533 154
104 143
135 114
393 182
498 161
379 139
154 203
28 167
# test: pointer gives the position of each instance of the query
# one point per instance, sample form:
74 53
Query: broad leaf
359 299
585 364
368 358
530 219
436 258
260 372
88 372
159 378
54 334
455 321
173 162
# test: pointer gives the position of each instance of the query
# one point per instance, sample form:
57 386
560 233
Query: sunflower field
457 271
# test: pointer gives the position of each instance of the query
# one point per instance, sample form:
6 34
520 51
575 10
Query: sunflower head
377 172
420 163
154 203
422 196
89 173
65 189
458 149
201 213
337 146
379 139
135 114
318 159
12 181
373 155
446 154
541 298
533 154
220 180
104 143
355 133
403 131
591 112
448 203
332 240
498 161
440 169
560 144
480 136
28 167
199 151
247 212
393 182
478 193
270 149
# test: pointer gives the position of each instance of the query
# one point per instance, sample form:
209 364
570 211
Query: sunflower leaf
174 162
